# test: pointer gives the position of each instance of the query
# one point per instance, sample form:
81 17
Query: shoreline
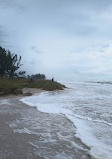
37 132
25 93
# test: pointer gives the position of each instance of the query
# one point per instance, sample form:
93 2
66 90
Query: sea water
88 106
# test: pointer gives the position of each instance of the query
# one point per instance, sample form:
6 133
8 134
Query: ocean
88 106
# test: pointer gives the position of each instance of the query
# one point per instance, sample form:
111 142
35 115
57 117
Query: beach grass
15 86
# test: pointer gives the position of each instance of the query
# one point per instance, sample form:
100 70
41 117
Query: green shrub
14 85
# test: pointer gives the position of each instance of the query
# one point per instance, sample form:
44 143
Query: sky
65 39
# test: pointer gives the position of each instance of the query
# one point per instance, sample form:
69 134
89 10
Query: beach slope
26 133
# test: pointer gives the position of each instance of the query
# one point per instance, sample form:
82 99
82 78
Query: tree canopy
38 76
9 63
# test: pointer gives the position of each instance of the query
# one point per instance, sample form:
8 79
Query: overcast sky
65 39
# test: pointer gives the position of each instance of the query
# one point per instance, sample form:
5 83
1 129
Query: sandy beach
26 133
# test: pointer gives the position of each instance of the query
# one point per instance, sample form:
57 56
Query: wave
90 129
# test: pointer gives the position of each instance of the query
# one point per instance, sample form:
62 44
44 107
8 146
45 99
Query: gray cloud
36 49
3 35
13 4
47 31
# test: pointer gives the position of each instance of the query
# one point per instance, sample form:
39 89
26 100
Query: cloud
36 49
59 36
13 4
3 35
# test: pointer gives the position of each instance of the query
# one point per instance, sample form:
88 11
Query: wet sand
26 133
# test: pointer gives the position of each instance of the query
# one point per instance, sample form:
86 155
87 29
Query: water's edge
69 103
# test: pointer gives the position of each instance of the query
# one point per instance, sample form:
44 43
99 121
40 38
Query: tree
9 63
38 76
21 74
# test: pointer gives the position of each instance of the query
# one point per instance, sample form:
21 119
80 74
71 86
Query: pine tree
9 63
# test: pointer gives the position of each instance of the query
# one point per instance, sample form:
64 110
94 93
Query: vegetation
38 76
9 64
12 81
14 85
47 85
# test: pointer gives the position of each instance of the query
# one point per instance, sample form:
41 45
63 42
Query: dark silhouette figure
31 80
52 79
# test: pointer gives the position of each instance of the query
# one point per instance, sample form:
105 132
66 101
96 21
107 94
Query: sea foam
88 107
